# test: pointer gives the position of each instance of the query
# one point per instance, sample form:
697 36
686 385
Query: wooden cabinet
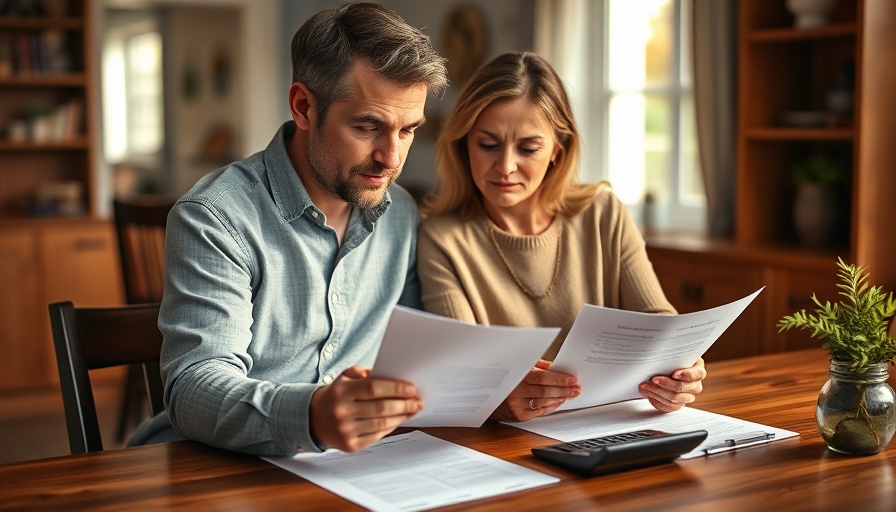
791 290
784 70
781 70
22 340
699 273
80 264
44 262
697 283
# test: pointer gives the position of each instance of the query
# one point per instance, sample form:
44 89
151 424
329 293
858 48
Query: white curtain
568 34
715 62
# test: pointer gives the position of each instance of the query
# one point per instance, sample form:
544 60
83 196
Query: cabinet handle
90 244
692 292
795 303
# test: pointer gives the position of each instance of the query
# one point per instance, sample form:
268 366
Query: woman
511 238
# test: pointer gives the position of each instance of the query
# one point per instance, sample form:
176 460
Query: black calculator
618 452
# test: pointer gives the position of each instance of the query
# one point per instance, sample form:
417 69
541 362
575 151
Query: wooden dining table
778 390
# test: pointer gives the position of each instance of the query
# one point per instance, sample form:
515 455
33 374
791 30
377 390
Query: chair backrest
140 225
92 338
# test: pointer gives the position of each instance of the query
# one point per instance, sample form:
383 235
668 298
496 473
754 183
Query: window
651 143
132 94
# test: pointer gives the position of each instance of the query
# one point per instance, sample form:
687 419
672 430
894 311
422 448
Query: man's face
365 138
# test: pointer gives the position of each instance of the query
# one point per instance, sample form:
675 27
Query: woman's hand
540 393
671 393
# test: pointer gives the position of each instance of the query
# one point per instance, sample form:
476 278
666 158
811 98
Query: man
282 269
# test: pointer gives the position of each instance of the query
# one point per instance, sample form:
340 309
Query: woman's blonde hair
508 77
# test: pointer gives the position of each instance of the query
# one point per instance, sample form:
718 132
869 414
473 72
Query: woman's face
510 147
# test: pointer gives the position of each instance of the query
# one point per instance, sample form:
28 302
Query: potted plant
820 180
855 411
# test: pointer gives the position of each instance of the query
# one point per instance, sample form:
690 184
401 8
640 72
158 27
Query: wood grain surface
778 390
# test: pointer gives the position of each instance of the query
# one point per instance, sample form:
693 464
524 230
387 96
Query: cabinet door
22 339
694 282
791 291
81 265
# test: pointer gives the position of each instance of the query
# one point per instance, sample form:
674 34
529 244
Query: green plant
855 329
823 169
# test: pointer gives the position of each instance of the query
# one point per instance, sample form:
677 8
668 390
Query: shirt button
328 350
328 379
314 213
335 297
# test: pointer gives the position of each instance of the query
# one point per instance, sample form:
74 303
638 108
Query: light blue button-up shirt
262 306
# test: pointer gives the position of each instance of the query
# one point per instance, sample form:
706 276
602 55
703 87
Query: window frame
676 212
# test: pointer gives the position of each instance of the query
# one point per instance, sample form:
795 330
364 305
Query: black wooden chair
93 338
140 225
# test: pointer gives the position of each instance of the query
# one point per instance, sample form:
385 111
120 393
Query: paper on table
412 471
461 371
639 415
611 351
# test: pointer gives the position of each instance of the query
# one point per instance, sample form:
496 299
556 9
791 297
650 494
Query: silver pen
741 440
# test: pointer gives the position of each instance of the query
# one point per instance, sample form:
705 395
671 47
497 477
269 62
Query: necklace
524 288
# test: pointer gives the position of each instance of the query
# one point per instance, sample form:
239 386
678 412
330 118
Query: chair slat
92 338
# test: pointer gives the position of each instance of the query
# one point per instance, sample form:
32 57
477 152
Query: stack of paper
413 471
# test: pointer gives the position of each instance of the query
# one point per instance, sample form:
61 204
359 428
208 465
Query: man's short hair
325 47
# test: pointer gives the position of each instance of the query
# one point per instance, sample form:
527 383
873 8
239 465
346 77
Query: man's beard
326 172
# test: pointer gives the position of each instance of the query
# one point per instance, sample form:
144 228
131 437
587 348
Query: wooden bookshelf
781 69
46 133
53 245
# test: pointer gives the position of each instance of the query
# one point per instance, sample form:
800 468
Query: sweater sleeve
441 291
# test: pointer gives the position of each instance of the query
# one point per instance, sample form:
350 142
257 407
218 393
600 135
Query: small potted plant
855 413
821 181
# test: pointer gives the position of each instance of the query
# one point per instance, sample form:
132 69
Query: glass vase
856 413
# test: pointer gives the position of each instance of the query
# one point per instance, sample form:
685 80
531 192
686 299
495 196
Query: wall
259 65
509 24
204 92
265 29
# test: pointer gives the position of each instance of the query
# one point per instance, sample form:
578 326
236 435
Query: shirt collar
287 189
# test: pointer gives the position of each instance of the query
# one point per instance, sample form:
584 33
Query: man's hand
540 393
356 410
671 393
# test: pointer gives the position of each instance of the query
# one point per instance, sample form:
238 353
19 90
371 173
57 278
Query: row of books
39 53
34 7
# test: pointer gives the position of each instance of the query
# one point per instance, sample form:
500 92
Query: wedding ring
532 404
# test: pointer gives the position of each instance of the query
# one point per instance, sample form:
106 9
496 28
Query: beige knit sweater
602 261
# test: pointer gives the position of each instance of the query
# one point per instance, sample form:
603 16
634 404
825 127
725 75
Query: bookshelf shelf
76 143
788 34
820 134
44 80
31 23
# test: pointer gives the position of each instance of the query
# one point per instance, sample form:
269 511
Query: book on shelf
34 8
46 52
63 122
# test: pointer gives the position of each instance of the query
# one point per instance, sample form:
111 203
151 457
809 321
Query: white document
640 415
611 351
412 471
461 371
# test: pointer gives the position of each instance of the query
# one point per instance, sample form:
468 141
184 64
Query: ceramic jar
816 214
811 13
